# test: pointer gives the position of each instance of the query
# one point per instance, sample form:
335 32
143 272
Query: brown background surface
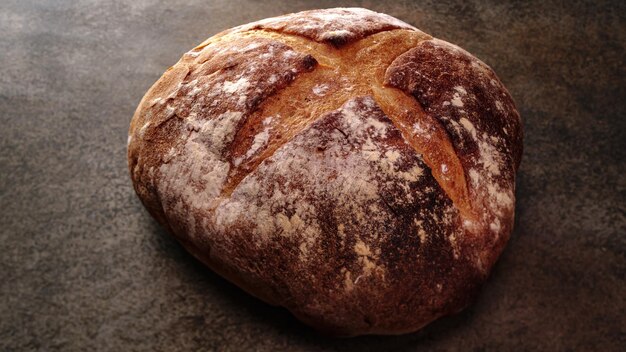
84 267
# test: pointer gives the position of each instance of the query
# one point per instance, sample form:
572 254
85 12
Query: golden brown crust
337 27
341 74
336 162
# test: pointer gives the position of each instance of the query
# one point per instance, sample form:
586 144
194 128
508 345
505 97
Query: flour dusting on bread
338 162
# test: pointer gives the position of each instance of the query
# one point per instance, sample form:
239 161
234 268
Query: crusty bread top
341 140
336 27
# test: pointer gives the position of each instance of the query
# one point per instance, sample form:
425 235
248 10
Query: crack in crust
371 56
470 103
356 69
431 141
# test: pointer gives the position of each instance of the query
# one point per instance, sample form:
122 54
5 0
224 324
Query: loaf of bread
339 163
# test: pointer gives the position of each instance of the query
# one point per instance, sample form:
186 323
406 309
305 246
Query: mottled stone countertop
83 266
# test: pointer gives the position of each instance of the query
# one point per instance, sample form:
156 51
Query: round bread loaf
339 163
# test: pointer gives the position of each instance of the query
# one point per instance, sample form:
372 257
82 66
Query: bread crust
339 163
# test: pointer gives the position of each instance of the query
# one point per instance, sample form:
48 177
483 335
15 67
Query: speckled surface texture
84 267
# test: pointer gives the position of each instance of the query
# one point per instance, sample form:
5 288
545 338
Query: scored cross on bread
340 163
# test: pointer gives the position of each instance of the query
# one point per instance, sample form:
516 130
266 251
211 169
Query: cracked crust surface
337 162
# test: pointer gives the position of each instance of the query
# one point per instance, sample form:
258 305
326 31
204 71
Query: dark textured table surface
83 266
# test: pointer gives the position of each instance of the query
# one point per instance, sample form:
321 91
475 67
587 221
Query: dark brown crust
284 154
455 87
441 67
413 271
